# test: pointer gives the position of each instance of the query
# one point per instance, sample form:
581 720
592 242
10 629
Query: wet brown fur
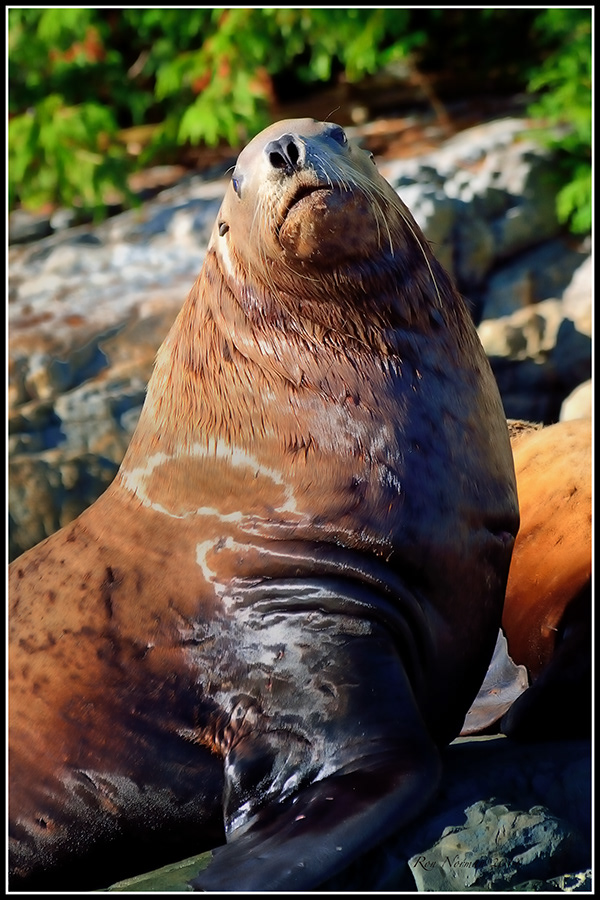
552 557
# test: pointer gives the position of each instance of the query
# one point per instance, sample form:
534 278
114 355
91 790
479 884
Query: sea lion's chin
330 226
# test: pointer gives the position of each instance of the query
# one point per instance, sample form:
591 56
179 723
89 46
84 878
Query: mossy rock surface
174 877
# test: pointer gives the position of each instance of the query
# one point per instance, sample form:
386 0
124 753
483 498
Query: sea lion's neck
183 396
212 376
237 347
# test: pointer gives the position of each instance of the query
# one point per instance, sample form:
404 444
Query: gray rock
194 215
529 179
529 333
496 772
76 415
541 273
507 289
577 297
572 356
473 251
91 415
495 848
48 490
479 192
432 209
434 212
530 390
68 260
24 226
575 881
578 405
64 218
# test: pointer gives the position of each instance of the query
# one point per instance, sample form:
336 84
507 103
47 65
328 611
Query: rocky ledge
508 817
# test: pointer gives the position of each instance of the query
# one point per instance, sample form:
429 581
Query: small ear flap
299 843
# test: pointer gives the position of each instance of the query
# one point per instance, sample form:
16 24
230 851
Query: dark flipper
559 702
503 684
325 749
299 843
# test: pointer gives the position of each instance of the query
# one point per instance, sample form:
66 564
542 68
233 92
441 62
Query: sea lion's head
304 195
307 212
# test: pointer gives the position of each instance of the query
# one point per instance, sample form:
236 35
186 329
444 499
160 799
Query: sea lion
547 615
538 685
285 602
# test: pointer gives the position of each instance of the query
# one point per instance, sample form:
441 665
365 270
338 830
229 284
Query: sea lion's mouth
304 192
299 229
325 222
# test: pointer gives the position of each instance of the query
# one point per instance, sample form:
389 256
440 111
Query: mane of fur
268 332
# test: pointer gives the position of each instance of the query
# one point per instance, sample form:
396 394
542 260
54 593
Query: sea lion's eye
223 228
237 185
339 135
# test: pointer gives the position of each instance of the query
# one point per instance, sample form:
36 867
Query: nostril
292 152
285 153
277 160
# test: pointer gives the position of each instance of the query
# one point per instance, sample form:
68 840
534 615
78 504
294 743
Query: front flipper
504 683
325 749
299 843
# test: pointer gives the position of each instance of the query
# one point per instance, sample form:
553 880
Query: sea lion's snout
286 153
325 216
313 195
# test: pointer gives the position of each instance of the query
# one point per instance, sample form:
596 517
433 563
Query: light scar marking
222 250
136 480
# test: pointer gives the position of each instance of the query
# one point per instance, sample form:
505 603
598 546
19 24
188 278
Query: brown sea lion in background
538 685
547 616
284 604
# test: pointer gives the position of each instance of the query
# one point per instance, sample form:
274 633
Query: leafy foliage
66 154
81 80
564 84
